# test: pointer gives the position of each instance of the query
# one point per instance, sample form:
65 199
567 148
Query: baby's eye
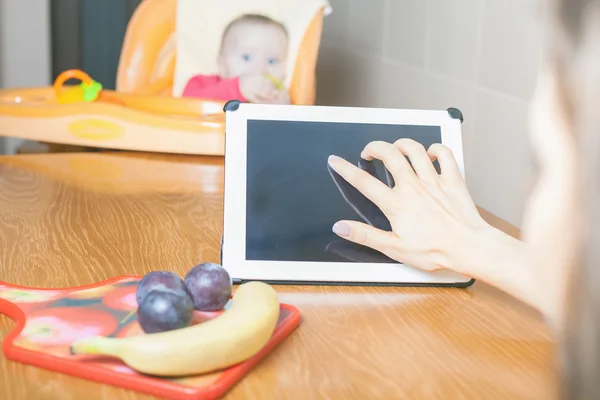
247 57
272 61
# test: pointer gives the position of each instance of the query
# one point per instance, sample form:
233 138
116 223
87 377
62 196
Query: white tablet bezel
234 227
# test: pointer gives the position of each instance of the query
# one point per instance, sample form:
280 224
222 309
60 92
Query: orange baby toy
87 91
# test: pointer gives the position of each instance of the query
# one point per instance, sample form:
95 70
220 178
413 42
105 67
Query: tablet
281 199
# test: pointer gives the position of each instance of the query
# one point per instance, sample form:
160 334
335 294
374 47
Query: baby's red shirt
213 87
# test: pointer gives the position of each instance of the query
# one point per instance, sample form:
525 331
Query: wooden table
74 219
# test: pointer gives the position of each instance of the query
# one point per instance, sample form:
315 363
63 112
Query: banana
237 334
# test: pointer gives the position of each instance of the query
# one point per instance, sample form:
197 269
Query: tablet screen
293 198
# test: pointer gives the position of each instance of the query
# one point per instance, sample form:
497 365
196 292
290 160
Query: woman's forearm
504 262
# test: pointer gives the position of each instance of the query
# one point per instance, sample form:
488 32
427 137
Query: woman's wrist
501 261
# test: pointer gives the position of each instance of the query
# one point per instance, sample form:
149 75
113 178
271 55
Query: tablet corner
455 113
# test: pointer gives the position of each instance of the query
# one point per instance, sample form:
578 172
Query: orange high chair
142 114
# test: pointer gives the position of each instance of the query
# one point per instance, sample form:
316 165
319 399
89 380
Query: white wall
478 55
25 56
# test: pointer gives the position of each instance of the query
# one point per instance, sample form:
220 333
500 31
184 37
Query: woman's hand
432 215
435 223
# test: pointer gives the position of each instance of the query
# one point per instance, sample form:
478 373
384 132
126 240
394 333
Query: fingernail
333 159
342 229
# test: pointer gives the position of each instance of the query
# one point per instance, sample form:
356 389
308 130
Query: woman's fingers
372 188
421 160
367 166
370 168
391 157
448 166
418 157
366 235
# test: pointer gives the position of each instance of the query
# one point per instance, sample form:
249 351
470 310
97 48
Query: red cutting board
49 320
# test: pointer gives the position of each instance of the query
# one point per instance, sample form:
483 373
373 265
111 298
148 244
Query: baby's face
253 49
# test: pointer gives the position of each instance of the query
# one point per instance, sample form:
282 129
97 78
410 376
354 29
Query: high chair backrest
168 41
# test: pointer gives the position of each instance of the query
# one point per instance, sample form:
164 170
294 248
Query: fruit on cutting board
209 285
158 280
163 310
237 334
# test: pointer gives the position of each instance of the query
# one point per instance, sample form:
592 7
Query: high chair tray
49 320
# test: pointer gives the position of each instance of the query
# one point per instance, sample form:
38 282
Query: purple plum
164 310
209 285
158 280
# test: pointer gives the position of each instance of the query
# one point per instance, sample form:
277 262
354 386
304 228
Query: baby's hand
280 97
257 88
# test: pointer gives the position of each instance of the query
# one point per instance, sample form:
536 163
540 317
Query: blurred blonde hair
573 52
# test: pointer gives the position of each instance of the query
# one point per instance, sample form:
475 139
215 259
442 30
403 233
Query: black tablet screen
293 198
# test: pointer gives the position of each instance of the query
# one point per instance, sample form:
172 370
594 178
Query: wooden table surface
74 219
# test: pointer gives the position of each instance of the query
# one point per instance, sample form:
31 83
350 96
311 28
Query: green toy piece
91 93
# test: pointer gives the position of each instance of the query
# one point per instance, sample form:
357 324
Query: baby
252 62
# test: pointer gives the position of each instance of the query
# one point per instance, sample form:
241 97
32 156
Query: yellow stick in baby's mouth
276 81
